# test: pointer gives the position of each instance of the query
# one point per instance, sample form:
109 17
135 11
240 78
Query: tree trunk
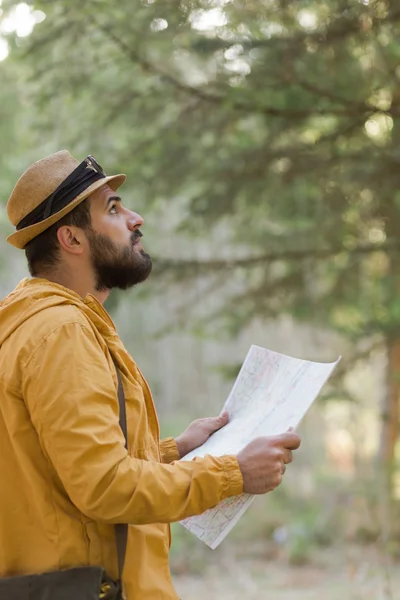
390 415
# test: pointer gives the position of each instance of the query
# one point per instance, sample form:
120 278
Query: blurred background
261 140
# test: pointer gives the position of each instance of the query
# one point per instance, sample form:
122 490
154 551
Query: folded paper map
271 393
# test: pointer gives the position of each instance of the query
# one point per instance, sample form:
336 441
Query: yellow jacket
66 477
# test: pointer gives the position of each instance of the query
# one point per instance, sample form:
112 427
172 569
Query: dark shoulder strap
121 529
122 407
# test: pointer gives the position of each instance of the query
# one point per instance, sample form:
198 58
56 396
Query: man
66 475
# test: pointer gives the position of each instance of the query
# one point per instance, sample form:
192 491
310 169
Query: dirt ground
341 574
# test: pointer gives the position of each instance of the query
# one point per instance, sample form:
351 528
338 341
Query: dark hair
43 252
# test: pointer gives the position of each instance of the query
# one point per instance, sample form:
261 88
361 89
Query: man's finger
224 417
289 440
287 456
220 421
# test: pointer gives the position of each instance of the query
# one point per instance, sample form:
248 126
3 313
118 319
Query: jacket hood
34 295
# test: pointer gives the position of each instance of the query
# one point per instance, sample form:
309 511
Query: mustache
136 235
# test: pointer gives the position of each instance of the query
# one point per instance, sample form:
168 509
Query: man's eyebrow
112 199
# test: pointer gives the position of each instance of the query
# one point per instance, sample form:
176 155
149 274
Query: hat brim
20 238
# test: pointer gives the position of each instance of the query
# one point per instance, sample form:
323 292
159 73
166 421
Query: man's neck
78 284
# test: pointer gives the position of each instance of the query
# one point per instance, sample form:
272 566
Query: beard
115 265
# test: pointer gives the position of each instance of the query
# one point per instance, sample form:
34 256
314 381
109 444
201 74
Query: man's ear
72 239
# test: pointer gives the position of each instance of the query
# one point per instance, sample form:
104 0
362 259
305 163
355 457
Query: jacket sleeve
70 394
169 450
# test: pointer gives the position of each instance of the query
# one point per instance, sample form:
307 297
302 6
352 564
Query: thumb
223 418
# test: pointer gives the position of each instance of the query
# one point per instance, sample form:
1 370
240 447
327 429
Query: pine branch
295 114
162 265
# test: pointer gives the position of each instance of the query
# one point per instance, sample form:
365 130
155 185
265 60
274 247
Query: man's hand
198 432
263 461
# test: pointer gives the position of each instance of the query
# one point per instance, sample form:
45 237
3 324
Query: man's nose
134 221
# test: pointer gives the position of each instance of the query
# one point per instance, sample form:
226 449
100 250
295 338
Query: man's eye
113 209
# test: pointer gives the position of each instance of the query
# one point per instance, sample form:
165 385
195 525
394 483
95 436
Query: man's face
117 256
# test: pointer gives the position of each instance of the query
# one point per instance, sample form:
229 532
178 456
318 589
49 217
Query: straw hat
37 186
